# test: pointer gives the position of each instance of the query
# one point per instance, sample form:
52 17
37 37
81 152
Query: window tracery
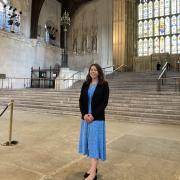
158 26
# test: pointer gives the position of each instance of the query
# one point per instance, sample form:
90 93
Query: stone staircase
133 97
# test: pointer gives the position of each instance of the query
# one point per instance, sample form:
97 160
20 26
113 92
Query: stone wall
18 55
149 63
90 35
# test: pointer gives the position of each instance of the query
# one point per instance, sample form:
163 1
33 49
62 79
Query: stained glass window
145 47
140 29
173 6
178 24
173 25
140 11
156 8
150 27
156 45
174 44
140 47
167 25
167 7
162 45
178 43
145 11
150 46
161 7
167 44
161 26
150 9
145 28
158 26
178 6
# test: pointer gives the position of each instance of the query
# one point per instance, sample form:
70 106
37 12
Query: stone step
133 112
108 116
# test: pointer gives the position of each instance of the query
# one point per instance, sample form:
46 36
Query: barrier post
11 121
10 142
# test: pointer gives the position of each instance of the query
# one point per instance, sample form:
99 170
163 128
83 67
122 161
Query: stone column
124 32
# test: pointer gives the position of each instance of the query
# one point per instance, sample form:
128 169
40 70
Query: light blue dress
92 141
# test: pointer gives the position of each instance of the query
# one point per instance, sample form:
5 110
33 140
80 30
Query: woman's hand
91 118
88 118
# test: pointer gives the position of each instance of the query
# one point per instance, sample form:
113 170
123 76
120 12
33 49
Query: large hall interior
46 49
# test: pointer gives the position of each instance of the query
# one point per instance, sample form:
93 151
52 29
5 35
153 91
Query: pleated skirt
92 141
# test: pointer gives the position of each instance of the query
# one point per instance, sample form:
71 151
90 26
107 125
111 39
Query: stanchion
10 142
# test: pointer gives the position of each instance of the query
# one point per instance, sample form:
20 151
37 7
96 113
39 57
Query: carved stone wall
149 63
90 35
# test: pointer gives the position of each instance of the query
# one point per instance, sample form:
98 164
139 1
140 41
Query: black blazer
99 100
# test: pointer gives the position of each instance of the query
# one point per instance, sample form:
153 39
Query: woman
93 101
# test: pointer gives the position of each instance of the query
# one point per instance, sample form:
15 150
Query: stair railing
123 66
162 76
13 82
108 71
72 79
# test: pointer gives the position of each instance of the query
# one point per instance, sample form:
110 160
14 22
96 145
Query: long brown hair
100 74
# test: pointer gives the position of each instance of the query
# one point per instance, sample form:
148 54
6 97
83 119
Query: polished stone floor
47 150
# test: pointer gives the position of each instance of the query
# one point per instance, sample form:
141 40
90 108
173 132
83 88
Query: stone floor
47 150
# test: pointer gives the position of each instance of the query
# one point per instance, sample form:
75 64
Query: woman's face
93 72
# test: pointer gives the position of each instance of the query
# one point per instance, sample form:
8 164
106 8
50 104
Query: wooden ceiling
70 5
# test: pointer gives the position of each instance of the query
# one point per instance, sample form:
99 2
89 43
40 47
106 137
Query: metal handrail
72 76
9 82
123 65
107 67
163 70
165 65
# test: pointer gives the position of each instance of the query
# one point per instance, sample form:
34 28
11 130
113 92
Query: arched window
150 27
158 26
140 10
145 47
156 45
178 43
178 24
174 44
4 7
150 9
173 6
173 25
145 11
167 7
162 45
140 29
167 25
178 6
161 26
156 8
9 17
167 44
150 46
145 28
161 7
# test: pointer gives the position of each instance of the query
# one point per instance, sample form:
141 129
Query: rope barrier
4 110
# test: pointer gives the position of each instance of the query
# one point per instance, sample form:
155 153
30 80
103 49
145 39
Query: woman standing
93 101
